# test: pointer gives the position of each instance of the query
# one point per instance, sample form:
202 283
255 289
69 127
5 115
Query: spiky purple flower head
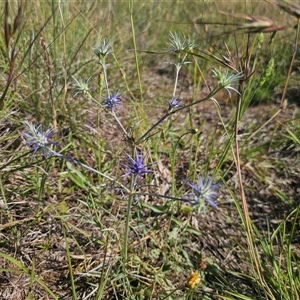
203 191
174 103
37 139
112 100
136 166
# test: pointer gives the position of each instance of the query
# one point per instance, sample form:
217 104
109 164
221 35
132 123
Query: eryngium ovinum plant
204 191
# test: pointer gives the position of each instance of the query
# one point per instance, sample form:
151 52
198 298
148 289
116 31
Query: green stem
178 67
119 122
102 63
209 97
128 215
135 49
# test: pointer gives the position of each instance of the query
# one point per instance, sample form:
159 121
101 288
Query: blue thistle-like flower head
37 139
112 100
203 191
136 166
174 103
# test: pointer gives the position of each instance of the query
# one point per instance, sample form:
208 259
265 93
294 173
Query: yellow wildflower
193 280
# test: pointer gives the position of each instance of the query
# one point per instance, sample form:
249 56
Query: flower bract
203 191
37 139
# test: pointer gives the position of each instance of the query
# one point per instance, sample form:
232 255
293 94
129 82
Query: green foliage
73 226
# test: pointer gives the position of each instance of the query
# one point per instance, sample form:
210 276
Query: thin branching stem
72 160
119 122
209 97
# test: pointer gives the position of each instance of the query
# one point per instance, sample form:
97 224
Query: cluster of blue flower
204 190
